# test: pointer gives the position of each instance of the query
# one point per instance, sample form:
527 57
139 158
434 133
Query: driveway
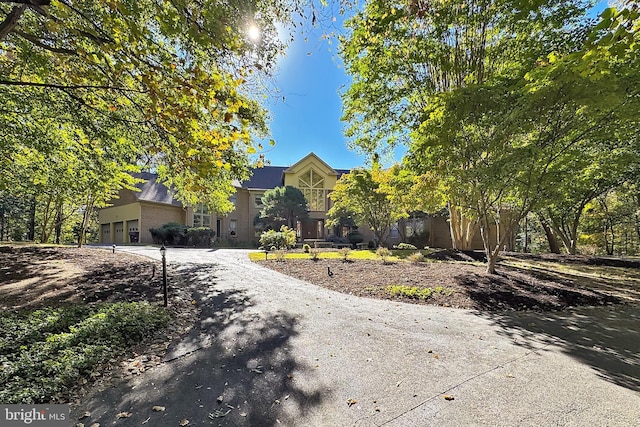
271 350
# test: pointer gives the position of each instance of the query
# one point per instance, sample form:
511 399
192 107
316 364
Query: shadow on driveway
233 368
606 339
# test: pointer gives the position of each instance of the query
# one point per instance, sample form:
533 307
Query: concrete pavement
272 350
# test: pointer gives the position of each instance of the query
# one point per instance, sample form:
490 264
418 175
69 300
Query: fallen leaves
351 402
123 415
183 422
448 397
158 408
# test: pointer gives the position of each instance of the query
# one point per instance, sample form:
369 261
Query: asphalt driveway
271 350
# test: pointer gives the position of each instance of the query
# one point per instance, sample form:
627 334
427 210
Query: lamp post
163 252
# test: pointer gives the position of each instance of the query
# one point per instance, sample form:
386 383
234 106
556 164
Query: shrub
181 235
169 234
200 236
344 253
371 244
383 253
283 239
50 350
417 292
281 255
313 253
306 248
355 237
416 257
406 246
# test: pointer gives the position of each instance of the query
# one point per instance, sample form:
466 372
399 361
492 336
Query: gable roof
313 155
153 191
265 178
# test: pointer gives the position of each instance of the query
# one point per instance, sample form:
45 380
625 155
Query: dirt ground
523 281
36 276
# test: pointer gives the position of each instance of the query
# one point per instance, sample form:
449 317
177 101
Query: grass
44 353
354 255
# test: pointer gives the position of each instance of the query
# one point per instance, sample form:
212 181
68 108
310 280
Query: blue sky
306 115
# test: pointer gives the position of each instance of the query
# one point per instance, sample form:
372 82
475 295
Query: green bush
181 235
371 244
383 253
314 253
416 257
406 246
344 253
417 292
283 239
44 353
200 236
355 237
306 248
169 234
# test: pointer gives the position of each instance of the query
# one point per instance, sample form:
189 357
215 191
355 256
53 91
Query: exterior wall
154 215
314 228
114 219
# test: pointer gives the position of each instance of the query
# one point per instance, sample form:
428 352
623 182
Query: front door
310 229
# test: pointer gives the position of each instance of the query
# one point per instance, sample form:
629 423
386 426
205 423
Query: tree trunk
85 221
462 228
32 220
554 246
58 222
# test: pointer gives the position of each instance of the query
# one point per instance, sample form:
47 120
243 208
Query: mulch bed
460 272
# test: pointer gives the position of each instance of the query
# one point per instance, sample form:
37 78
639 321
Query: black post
164 275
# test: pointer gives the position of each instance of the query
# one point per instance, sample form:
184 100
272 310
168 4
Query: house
133 214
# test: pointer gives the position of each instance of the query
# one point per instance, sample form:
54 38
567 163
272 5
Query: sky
306 114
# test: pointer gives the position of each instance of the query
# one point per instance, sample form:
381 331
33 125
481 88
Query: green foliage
355 237
383 253
200 236
281 255
405 246
283 239
92 90
501 106
416 292
181 235
344 253
46 352
306 248
314 253
416 257
362 194
283 206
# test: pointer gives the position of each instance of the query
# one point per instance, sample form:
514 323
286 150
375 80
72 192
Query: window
201 216
258 201
233 199
233 227
415 227
395 233
311 184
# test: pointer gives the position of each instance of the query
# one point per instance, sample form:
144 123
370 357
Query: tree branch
33 39
68 87
11 20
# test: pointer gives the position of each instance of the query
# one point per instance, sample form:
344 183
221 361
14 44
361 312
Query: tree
364 195
180 76
283 206
492 97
